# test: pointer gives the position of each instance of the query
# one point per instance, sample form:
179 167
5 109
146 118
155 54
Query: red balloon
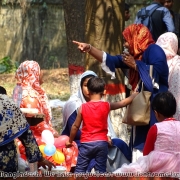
60 142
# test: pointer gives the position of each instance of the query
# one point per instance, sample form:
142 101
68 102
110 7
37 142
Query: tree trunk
75 30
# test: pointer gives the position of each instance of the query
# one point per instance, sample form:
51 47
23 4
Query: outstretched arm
96 53
123 103
75 128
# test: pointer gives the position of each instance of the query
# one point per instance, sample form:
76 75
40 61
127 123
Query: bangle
89 48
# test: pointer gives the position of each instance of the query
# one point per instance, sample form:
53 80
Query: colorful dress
34 96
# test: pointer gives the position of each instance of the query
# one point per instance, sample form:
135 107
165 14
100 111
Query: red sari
34 96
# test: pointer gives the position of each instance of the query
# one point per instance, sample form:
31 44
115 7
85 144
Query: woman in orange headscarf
31 77
140 52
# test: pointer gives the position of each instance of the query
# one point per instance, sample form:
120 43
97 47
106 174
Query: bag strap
143 11
152 10
150 74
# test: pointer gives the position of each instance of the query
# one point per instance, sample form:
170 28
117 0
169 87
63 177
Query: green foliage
7 65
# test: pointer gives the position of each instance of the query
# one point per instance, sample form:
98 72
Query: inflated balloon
41 147
58 157
49 149
47 137
60 142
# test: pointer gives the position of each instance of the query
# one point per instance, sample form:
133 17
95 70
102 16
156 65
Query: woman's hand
83 47
45 163
129 60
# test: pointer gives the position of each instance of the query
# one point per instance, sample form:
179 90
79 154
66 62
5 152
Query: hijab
169 43
139 38
75 100
28 74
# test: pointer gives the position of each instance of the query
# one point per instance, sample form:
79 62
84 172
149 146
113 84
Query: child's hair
84 78
165 104
96 85
2 90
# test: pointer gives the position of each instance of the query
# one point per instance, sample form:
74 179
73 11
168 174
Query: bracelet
89 48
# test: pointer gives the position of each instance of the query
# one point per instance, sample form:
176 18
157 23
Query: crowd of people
86 121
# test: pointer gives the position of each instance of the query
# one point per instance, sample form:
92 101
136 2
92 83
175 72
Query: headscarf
28 75
75 100
169 43
12 121
139 38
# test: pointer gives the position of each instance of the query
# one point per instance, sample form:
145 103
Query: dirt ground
56 85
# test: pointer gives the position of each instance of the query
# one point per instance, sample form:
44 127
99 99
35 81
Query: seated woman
13 124
70 113
31 77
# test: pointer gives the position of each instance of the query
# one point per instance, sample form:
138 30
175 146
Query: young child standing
94 115
162 147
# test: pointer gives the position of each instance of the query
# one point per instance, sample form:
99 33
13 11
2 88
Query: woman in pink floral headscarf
169 43
34 96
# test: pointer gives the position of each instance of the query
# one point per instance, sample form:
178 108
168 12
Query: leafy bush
7 65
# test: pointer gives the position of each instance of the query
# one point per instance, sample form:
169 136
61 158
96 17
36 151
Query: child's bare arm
74 128
123 103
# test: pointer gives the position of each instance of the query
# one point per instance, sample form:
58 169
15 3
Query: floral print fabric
8 152
12 122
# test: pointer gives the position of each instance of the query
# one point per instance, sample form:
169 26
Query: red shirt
94 115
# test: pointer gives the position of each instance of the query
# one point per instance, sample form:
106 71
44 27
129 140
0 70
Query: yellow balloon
58 157
41 147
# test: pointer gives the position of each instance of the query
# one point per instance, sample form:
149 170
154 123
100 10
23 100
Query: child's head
96 85
164 104
2 90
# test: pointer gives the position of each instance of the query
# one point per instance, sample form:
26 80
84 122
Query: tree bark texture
104 25
74 14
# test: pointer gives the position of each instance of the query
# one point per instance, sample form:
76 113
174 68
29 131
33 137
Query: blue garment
125 149
97 150
8 158
155 56
69 124
161 20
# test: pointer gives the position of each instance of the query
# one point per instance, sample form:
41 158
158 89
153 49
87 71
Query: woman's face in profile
85 89
41 80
